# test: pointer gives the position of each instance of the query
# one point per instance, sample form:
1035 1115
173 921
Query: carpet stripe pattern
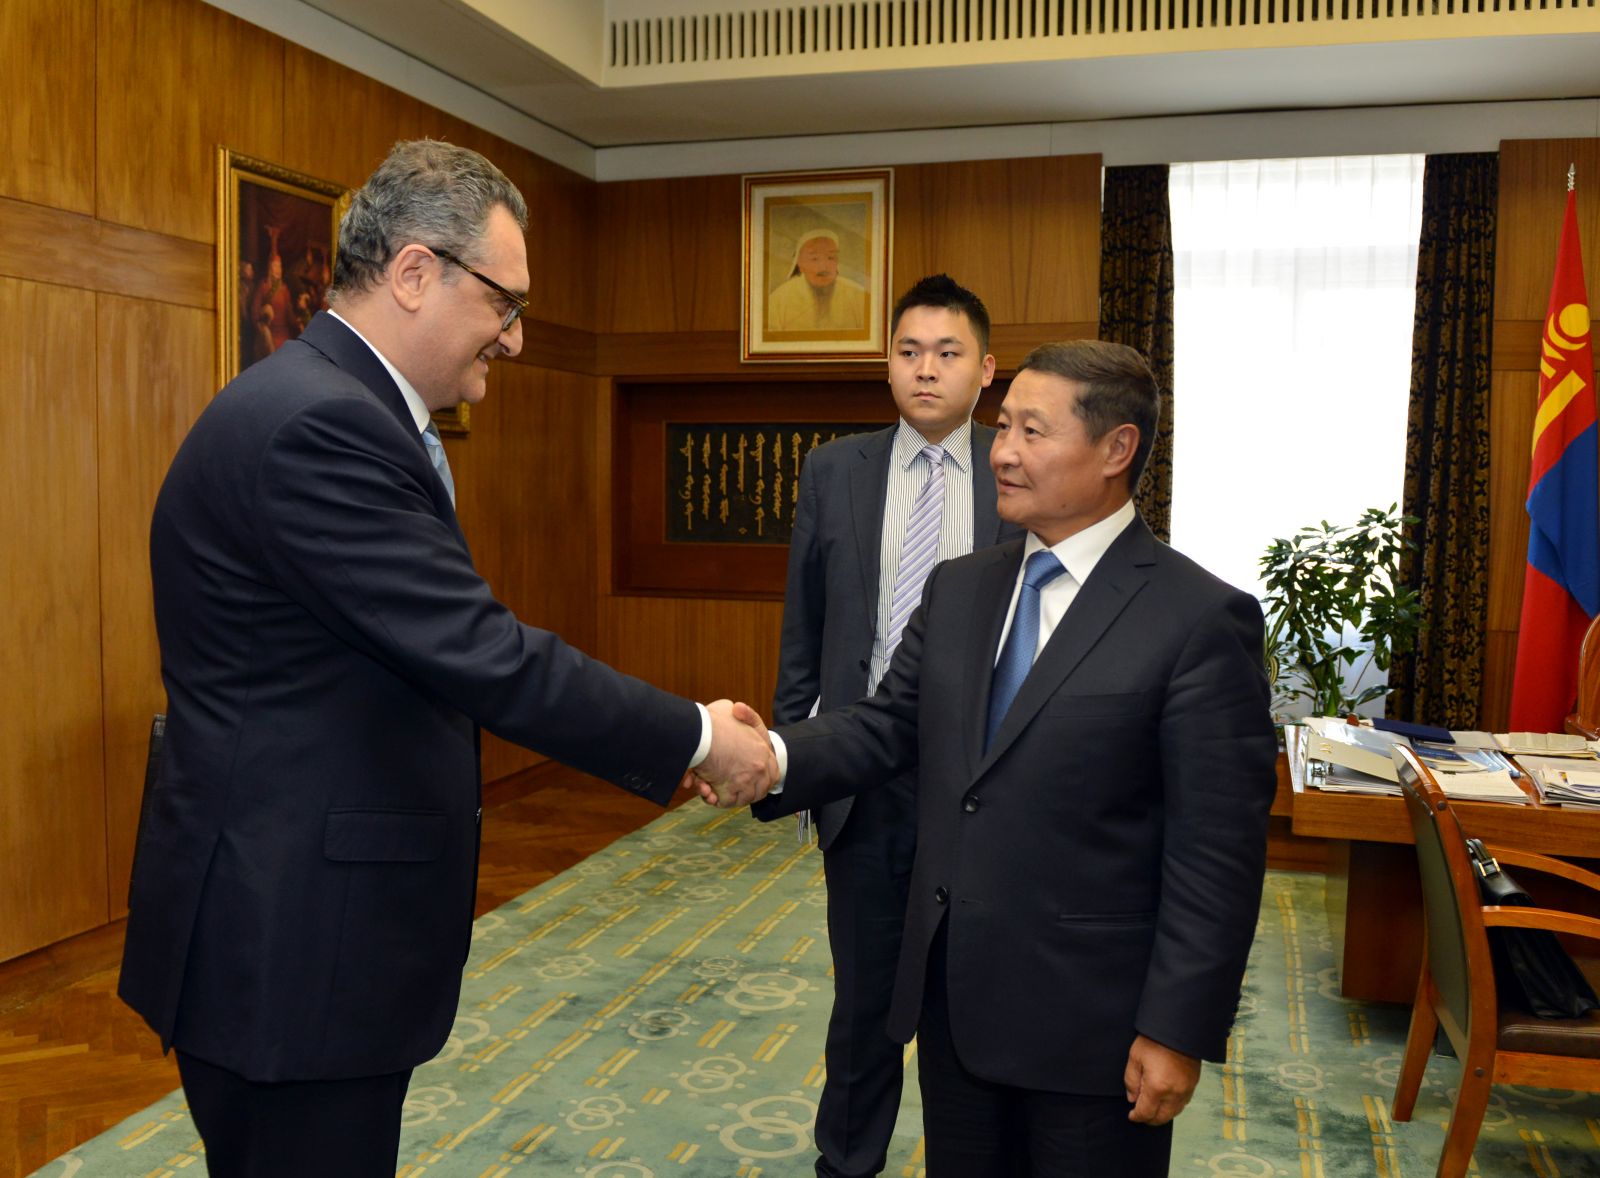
659 1010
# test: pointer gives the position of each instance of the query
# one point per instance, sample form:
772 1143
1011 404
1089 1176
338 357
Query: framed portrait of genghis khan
816 275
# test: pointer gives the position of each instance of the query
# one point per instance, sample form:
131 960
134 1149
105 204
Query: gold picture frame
277 237
816 272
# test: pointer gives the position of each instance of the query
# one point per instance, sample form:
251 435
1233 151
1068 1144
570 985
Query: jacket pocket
384 836
1108 919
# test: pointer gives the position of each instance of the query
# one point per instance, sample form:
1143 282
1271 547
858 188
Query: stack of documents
1543 744
1565 781
1472 774
1342 758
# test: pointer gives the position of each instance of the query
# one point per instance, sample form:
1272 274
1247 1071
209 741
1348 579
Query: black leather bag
1532 970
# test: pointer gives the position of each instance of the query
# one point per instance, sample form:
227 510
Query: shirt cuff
704 749
781 752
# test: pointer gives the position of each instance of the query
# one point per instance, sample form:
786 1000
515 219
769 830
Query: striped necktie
440 463
1016 660
919 550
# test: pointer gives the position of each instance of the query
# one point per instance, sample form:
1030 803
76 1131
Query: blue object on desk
1415 731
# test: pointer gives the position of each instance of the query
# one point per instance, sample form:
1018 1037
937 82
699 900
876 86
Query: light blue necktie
1016 659
440 463
918 551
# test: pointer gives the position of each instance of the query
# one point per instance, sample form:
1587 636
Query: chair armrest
1498 916
1547 864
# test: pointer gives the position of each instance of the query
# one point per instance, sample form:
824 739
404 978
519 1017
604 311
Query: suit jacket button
969 804
862 664
941 896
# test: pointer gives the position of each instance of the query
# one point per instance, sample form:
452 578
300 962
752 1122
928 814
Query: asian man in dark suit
875 512
1091 835
303 887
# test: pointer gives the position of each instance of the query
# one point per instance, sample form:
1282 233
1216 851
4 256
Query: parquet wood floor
74 1060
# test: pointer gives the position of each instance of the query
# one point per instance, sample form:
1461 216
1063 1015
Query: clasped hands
741 767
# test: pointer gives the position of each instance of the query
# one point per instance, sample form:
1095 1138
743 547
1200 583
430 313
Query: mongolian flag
1561 593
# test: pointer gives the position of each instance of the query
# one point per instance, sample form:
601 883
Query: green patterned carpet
659 1010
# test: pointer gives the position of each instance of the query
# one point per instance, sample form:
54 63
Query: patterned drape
1136 306
1447 442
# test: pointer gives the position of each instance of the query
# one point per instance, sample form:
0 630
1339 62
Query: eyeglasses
518 303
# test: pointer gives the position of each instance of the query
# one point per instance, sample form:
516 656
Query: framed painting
816 265
276 235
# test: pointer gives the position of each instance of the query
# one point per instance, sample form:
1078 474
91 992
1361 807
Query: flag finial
1572 176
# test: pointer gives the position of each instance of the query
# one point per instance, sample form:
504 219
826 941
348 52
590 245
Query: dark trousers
978 1129
868 867
308 1128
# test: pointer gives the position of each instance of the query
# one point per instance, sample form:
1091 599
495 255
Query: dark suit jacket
303 895
830 603
1101 864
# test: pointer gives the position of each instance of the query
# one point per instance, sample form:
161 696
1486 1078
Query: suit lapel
351 354
996 579
1118 577
869 488
985 513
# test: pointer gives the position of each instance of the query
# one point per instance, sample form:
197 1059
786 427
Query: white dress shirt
1078 554
908 474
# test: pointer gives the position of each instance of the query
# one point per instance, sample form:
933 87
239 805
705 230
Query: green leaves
1325 583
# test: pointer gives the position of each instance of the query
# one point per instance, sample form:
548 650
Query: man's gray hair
431 193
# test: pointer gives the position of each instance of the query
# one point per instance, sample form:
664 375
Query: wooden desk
1374 899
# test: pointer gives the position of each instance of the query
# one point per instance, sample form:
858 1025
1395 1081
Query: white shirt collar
909 442
419 411
1081 551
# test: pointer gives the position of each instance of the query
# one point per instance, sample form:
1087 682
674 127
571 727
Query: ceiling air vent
797 32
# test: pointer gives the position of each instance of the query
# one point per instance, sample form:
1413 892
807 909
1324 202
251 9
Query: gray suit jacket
830 604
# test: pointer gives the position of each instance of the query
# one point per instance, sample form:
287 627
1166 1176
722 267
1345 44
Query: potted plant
1327 586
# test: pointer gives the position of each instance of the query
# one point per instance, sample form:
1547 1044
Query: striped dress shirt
908 471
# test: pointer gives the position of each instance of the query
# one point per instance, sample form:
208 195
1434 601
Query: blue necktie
1016 659
440 463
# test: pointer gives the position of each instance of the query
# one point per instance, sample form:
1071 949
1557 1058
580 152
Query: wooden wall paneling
1499 667
47 103
1024 234
1513 399
523 492
175 79
72 249
52 803
1533 197
669 255
701 649
372 117
563 238
155 372
338 124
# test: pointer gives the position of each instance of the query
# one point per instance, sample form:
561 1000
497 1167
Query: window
1295 292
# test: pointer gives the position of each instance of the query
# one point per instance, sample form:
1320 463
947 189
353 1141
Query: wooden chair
1456 991
1585 719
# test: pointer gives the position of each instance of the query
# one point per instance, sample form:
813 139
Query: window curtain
1136 306
1447 442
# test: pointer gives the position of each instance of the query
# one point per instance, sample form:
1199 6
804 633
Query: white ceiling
461 41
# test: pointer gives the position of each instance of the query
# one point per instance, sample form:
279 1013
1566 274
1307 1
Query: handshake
741 766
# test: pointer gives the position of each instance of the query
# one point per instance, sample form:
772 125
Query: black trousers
868 867
308 1128
979 1129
